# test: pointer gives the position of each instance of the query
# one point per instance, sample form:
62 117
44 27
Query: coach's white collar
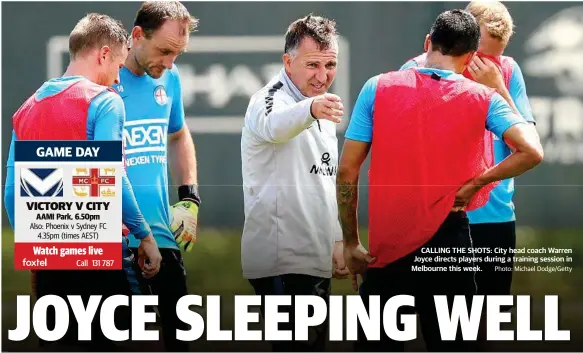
295 92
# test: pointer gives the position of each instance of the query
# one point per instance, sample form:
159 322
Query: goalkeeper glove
184 224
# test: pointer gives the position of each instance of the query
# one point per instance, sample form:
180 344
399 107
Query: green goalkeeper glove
184 224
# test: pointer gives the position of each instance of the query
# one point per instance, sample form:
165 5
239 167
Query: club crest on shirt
160 95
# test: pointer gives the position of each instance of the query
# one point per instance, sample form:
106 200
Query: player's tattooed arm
353 155
347 197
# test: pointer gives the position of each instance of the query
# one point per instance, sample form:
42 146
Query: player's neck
132 65
80 69
442 62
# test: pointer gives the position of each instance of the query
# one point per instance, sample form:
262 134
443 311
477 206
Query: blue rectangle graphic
41 182
68 151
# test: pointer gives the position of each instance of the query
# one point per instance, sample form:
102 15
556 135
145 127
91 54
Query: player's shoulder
108 98
174 70
373 80
416 61
473 85
472 89
393 78
510 62
174 73
370 85
110 94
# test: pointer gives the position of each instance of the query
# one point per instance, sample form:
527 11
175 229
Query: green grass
214 268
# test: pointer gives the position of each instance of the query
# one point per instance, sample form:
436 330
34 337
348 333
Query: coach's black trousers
84 283
399 278
296 284
169 285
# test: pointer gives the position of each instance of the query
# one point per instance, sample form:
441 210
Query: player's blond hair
95 31
495 17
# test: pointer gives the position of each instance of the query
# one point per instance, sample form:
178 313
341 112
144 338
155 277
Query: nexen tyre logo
147 135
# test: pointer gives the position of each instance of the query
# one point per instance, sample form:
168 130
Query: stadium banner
68 205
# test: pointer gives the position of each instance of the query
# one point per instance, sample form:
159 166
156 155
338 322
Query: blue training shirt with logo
500 117
500 207
105 119
154 110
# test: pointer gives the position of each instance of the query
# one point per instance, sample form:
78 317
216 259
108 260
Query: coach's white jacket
289 163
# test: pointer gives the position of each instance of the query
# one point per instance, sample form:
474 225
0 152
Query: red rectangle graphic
68 256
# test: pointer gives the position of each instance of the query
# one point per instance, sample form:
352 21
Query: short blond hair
95 31
495 17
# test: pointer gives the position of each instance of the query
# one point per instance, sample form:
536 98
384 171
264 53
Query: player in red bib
81 105
429 164
494 224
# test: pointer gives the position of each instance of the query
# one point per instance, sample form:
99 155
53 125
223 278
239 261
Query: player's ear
137 34
426 43
104 53
287 58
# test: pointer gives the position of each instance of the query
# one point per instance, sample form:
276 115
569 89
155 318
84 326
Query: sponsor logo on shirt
324 168
145 141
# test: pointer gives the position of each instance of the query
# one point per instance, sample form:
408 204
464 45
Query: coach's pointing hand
149 257
328 106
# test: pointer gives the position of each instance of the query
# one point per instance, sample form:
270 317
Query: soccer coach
289 151
425 130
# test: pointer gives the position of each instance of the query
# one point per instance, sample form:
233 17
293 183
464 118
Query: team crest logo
94 182
41 182
160 95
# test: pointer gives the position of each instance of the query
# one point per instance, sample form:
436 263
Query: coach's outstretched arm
278 120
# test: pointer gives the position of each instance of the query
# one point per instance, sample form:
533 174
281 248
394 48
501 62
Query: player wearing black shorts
169 285
426 170
423 279
491 280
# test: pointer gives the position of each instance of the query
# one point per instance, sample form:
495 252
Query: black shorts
296 284
493 280
85 283
169 285
407 276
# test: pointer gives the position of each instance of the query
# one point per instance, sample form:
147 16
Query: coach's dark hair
152 15
455 33
95 31
320 29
